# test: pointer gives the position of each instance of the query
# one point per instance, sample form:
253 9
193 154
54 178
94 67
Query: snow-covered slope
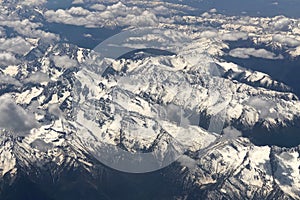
78 109
63 107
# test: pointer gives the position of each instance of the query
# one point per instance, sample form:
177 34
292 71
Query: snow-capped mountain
197 125
78 109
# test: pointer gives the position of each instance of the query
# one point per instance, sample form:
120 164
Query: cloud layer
64 62
15 45
252 52
113 15
15 118
7 58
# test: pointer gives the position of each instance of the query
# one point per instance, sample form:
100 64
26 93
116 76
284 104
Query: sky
270 8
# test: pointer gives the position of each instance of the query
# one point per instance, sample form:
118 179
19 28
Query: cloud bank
14 118
251 52
7 58
15 45
64 62
103 16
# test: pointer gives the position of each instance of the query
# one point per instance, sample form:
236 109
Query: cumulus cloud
7 58
227 36
79 11
295 52
265 107
213 10
55 110
78 2
234 36
27 28
14 118
4 79
286 40
15 45
162 10
33 2
99 7
146 18
64 62
113 15
37 77
41 145
258 53
117 13
280 30
87 35
282 23
209 34
2 32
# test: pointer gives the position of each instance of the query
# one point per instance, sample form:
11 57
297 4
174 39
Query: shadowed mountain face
144 53
285 70
106 184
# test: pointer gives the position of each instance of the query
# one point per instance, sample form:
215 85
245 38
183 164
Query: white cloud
37 77
119 8
264 107
66 17
117 13
14 118
78 2
282 23
209 34
55 110
280 31
33 2
295 52
161 10
286 40
234 36
99 7
258 53
41 145
146 18
7 58
227 36
206 15
27 28
213 10
114 15
9 80
15 45
79 11
2 32
64 62
87 35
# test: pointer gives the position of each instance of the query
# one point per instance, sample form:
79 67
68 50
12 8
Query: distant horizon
259 8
